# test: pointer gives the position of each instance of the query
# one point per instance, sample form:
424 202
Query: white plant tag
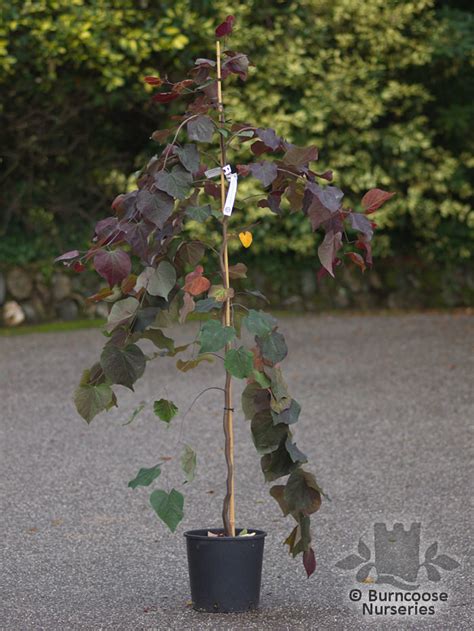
231 193
227 172
212 172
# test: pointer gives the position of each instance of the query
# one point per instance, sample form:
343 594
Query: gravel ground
386 401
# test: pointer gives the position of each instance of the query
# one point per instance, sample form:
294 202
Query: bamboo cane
228 511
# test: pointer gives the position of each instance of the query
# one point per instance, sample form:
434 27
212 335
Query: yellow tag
246 239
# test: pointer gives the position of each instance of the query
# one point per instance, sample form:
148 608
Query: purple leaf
107 231
269 138
273 202
136 234
362 224
328 249
155 207
67 256
309 561
201 129
113 265
237 63
266 172
300 156
226 27
374 198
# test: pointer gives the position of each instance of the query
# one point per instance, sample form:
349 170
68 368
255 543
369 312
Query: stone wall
32 295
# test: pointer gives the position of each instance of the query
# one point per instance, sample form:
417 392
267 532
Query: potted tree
156 276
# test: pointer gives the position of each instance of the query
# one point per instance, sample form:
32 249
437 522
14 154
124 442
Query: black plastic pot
225 572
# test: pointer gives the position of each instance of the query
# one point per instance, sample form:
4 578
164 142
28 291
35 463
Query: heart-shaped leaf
162 280
213 336
195 283
189 157
122 311
259 323
199 213
374 198
239 362
165 410
176 182
302 493
145 477
168 507
113 265
91 400
155 207
246 238
123 365
273 347
201 129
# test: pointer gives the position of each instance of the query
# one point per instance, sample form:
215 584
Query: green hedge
383 87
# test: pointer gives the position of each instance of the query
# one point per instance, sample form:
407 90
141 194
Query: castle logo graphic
396 559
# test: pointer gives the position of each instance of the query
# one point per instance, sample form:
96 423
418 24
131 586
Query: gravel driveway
387 402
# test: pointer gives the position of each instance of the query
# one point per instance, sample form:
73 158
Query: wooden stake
228 511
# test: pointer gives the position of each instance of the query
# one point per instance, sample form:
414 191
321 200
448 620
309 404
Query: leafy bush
385 88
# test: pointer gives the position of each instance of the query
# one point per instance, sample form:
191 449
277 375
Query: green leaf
145 477
123 365
206 305
213 336
90 400
176 182
122 312
302 493
162 281
198 213
168 507
160 340
266 436
220 293
273 347
165 410
188 364
261 379
296 455
281 399
239 362
289 415
134 415
259 323
189 157
201 129
188 463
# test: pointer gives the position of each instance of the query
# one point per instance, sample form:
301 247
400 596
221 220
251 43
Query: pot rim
198 534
